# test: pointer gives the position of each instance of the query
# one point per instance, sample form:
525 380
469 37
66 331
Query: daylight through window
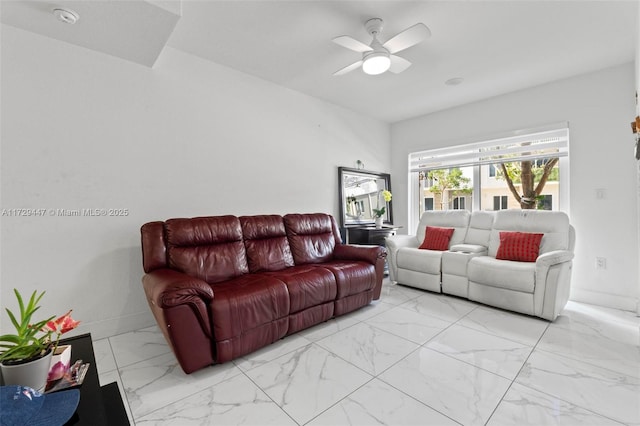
524 170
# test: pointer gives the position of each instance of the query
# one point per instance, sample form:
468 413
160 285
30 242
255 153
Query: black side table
370 234
98 405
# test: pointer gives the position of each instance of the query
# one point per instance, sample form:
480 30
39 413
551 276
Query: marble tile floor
411 358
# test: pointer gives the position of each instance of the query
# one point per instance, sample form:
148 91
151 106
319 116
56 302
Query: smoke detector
66 15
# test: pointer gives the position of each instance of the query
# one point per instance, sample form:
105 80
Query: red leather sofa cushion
307 285
209 248
266 243
311 237
248 313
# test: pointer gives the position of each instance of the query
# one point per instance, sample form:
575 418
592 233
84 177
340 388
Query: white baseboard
114 326
605 299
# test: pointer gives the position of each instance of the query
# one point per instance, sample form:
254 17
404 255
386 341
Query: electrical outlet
601 263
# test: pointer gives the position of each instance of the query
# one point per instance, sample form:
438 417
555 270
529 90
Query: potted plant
25 357
378 212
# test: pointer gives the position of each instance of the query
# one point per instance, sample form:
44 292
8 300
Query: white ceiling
496 46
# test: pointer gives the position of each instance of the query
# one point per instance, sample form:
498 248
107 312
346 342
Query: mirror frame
342 171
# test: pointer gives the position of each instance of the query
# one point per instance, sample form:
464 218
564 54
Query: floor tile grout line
269 396
533 349
125 396
340 400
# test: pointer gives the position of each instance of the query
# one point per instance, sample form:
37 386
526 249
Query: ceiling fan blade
398 64
352 44
407 38
348 68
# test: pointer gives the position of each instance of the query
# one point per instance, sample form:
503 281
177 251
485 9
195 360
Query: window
545 202
445 187
500 173
458 203
428 203
500 202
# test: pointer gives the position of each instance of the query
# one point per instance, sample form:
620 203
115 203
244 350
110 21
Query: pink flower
61 325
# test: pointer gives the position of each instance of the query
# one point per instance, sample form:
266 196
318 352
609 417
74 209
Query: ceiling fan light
376 63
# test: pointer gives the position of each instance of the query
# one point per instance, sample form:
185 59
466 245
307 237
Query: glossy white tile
441 306
600 322
495 354
523 406
595 349
409 324
368 347
156 382
377 403
136 346
367 368
602 391
306 382
463 392
396 294
519 328
235 401
105 361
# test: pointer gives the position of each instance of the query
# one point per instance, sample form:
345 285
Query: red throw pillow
436 238
519 246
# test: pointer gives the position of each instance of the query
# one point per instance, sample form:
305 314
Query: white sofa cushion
427 261
469 248
554 225
479 230
518 276
456 219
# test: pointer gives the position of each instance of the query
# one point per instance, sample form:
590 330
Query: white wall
598 107
85 130
638 162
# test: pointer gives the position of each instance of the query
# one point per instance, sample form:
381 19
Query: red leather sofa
221 287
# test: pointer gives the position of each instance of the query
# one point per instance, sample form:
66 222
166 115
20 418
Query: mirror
359 192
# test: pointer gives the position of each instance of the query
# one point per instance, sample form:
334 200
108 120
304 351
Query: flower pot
60 362
31 373
379 221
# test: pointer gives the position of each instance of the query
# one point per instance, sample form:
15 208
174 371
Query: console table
370 234
98 405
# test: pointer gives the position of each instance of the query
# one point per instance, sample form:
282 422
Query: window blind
531 146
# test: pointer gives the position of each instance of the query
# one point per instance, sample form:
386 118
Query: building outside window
459 203
500 202
428 203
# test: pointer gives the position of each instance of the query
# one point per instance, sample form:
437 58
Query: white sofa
470 269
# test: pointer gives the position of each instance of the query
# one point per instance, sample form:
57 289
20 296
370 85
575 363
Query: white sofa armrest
553 274
395 243
553 258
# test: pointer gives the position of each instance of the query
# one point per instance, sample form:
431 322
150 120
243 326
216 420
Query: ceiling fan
378 57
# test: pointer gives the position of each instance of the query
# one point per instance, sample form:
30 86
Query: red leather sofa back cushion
312 237
210 248
266 243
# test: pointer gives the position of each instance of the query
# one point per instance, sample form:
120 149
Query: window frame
562 128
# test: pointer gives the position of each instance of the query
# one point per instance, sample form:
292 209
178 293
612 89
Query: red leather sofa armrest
369 254
375 255
167 287
180 304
